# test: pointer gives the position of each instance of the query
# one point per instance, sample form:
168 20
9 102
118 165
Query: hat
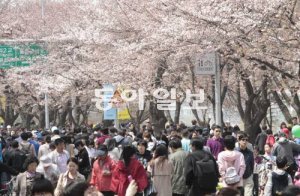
54 128
101 150
286 131
46 161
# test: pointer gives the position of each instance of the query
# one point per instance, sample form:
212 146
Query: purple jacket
216 146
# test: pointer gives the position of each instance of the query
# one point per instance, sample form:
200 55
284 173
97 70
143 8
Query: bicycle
9 187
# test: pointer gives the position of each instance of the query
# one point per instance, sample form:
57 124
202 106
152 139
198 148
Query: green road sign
20 55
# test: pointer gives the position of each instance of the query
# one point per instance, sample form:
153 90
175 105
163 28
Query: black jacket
16 159
84 162
191 179
261 141
249 161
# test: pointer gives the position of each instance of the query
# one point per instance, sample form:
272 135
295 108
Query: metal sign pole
218 91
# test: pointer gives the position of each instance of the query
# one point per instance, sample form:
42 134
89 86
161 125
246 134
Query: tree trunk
285 111
256 106
177 112
41 117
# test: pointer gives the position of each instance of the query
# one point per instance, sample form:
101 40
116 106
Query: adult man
200 170
285 148
45 148
216 143
25 146
177 158
60 156
16 157
102 171
83 159
261 140
249 161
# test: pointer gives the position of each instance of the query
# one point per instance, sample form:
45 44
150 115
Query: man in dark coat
200 184
261 140
83 159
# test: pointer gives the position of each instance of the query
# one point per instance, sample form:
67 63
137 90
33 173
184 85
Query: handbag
151 190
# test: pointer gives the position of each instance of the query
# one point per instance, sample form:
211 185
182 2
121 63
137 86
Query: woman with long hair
161 170
128 169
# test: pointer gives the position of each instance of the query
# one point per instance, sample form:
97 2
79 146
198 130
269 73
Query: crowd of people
176 161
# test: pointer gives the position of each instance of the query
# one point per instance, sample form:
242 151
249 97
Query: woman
127 169
48 169
229 159
69 177
25 181
102 171
70 147
113 151
161 169
148 137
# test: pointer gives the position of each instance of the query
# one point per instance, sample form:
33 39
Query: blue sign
108 92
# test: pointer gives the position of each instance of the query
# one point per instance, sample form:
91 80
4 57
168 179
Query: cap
45 161
101 150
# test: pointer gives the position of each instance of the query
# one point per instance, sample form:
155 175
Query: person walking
216 143
83 159
25 181
286 148
161 169
60 156
261 140
200 170
177 158
127 169
231 160
248 183
102 171
69 177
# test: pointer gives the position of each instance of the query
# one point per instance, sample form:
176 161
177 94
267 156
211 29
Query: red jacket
100 181
120 180
102 139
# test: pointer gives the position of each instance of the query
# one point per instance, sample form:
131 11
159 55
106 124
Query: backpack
279 183
270 140
19 159
26 151
206 174
231 176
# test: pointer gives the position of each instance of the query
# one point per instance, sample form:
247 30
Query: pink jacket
234 159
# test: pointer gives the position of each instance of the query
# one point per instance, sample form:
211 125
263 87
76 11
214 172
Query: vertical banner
108 92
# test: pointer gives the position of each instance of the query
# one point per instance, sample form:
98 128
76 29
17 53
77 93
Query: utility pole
47 123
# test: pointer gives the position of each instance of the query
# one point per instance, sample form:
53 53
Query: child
279 179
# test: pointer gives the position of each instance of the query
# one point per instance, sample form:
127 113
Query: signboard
206 64
123 114
20 55
110 114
